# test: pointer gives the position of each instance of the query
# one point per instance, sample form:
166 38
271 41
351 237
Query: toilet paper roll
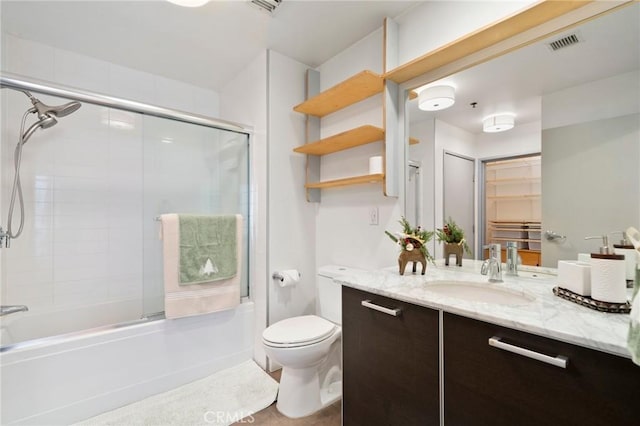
375 165
608 282
287 277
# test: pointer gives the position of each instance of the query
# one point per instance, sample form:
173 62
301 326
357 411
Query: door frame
482 199
419 201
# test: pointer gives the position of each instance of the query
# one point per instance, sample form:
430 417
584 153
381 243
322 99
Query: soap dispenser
625 248
608 274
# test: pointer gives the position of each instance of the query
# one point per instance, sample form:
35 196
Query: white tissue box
575 276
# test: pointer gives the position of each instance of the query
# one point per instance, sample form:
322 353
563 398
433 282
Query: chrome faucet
12 309
512 258
493 265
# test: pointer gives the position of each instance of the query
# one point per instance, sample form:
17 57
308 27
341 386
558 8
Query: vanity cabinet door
390 363
484 385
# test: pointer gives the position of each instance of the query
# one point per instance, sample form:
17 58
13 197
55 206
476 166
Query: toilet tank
330 293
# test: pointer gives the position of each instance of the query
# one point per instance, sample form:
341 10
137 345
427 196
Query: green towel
207 248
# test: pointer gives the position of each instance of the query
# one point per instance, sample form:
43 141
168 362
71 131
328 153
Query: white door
458 194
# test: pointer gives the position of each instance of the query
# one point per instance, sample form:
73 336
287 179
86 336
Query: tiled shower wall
94 183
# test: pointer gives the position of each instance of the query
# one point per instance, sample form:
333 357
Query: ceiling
204 46
207 46
515 82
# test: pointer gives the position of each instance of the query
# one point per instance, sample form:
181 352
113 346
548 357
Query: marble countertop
548 315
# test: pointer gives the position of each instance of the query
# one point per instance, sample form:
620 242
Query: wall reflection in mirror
574 100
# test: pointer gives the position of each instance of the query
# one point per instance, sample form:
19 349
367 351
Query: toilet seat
298 331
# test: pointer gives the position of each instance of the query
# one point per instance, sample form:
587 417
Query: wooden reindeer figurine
416 256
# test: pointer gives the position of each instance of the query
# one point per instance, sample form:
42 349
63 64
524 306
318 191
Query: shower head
45 121
58 111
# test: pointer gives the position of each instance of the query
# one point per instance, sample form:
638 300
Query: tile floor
270 416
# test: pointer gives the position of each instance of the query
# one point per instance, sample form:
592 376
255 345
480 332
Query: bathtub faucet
12 309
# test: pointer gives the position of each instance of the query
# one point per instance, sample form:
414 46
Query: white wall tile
28 58
75 70
174 94
128 83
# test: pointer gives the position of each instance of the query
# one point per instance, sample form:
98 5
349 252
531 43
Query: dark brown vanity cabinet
486 385
390 361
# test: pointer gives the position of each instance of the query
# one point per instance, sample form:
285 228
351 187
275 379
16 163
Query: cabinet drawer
484 385
390 363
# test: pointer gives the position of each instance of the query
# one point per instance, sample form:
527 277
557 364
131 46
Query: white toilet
308 348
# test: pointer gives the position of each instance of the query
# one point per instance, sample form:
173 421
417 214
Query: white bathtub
72 377
38 323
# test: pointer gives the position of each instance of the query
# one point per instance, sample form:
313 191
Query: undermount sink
479 292
531 274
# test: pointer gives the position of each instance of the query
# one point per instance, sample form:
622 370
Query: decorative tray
614 308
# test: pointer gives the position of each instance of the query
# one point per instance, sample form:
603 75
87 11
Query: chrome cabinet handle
393 312
558 361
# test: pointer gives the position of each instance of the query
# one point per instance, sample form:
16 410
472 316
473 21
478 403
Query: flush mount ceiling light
268 6
435 98
189 3
498 123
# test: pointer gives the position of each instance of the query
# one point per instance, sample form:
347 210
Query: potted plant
454 243
412 242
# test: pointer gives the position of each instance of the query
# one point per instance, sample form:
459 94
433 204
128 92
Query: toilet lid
299 331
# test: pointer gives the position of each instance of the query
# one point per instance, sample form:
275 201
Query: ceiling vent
565 41
268 6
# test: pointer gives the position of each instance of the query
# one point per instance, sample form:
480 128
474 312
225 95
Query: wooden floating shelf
490 35
514 180
413 141
346 181
513 197
355 89
351 138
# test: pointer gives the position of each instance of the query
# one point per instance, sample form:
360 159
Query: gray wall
590 182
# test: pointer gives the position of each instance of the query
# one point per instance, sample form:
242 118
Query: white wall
602 114
43 62
610 97
244 100
292 237
434 24
522 139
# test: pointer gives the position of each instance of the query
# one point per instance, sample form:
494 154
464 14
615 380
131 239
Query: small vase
453 248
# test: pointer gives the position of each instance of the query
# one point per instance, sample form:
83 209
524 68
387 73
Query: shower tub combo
82 328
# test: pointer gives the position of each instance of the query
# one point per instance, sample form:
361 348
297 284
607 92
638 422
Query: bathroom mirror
575 97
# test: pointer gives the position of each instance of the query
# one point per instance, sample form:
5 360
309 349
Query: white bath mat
220 399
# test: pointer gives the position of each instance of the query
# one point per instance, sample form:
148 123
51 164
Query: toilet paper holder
278 276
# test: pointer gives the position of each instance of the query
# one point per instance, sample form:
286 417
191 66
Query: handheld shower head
45 121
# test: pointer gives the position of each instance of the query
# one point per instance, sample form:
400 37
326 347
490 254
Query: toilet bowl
303 389
308 348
